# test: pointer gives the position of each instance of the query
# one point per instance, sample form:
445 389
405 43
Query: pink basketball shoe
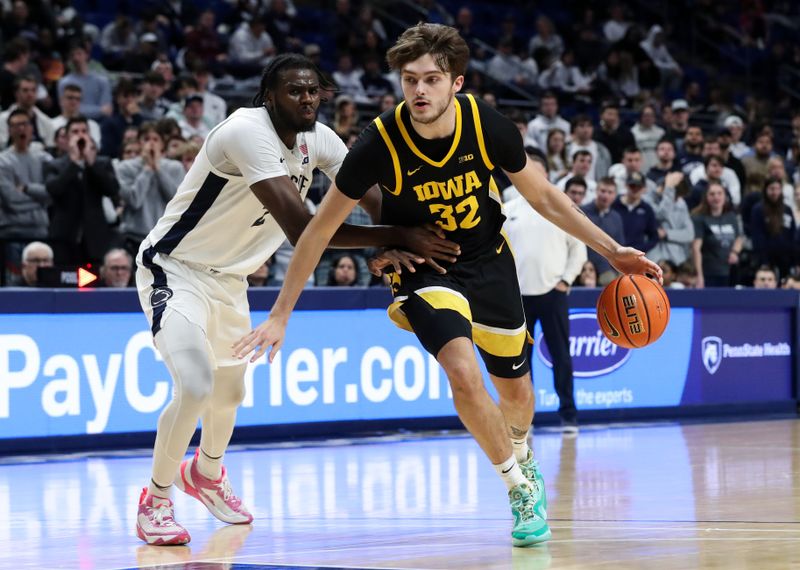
155 523
217 495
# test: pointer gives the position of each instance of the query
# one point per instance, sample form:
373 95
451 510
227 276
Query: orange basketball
633 311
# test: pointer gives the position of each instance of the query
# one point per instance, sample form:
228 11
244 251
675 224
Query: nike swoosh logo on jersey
500 247
517 366
282 159
410 172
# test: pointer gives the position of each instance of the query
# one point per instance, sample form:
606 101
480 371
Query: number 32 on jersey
465 210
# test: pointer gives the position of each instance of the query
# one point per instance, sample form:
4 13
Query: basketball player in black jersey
433 156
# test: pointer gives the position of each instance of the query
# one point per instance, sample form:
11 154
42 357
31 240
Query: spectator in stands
280 26
575 188
388 101
620 75
118 41
547 120
581 166
348 78
773 229
718 239
676 229
755 165
665 161
582 132
727 176
345 117
588 275
669 272
117 268
692 154
678 122
34 255
617 25
23 198
725 140
126 114
16 56
647 134
250 48
191 122
373 82
146 184
96 89
565 76
607 219
687 275
130 149
669 69
77 184
711 172
735 126
558 163
187 153
344 272
777 170
215 109
546 37
765 278
259 277
60 144
611 134
203 43
70 103
507 67
638 218
631 164
25 88
152 105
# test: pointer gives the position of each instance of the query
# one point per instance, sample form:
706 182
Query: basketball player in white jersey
242 197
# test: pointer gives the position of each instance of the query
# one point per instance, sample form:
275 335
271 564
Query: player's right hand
268 335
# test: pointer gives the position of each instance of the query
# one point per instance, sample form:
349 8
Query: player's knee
196 391
465 379
232 397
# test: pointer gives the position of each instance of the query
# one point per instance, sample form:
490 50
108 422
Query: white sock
209 466
155 490
510 472
521 449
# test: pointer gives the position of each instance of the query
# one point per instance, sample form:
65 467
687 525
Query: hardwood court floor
663 496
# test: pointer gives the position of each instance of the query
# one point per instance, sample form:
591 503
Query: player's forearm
305 258
349 236
560 210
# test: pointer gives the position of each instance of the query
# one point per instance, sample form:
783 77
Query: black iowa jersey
444 181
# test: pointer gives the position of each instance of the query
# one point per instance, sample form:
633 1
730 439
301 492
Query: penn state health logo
592 353
711 351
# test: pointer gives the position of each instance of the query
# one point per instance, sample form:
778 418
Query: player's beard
295 122
437 112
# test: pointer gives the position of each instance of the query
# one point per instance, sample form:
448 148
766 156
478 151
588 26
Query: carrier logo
712 353
713 350
592 353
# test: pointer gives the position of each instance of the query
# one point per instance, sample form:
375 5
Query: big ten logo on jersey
457 188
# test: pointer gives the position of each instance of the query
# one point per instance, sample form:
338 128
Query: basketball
633 311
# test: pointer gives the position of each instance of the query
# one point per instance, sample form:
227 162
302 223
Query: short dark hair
608 181
17 112
154 78
73 87
713 158
580 152
631 150
576 181
579 120
443 43
77 119
666 140
15 49
21 78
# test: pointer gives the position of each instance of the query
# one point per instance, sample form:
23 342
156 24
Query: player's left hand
628 260
429 242
397 258
268 335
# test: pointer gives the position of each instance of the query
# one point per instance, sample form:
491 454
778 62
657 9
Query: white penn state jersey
214 219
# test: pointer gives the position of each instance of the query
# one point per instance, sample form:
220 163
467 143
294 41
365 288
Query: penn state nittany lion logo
160 296
711 350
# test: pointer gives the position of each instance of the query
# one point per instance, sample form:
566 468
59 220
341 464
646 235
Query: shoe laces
162 515
523 503
227 492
